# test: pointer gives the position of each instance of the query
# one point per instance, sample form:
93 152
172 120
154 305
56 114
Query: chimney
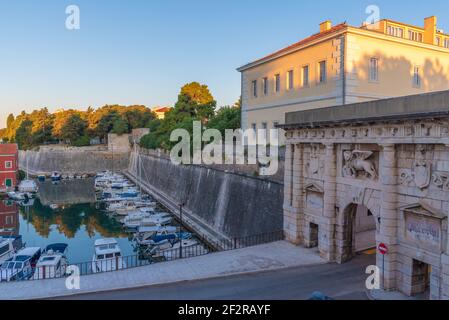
430 30
325 26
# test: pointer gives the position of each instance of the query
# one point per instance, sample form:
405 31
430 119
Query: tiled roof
8 148
162 109
300 43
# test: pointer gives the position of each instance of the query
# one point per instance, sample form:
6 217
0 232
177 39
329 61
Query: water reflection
70 219
61 215
9 218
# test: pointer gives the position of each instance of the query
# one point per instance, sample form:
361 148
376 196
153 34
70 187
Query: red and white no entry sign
383 249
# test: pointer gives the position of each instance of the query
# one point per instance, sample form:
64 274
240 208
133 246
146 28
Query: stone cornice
406 132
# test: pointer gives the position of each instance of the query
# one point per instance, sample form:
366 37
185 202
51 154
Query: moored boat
21 266
55 176
52 263
107 256
28 186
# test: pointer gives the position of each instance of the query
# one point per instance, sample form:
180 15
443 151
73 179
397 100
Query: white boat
52 263
55 176
151 231
18 196
190 248
21 266
7 250
141 219
125 207
148 239
107 256
156 220
28 186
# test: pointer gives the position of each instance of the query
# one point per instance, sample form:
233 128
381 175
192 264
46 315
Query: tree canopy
73 126
195 103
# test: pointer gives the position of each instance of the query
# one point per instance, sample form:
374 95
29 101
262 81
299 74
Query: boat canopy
106 246
57 247
30 252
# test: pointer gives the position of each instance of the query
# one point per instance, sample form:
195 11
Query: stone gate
361 174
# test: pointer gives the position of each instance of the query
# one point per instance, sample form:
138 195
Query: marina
100 224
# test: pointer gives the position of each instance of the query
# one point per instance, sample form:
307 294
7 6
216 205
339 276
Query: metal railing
147 256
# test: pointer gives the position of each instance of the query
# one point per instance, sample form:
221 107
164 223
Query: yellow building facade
345 64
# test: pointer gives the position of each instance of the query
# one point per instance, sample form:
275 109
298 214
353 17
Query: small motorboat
56 176
52 263
190 248
107 256
28 186
134 221
155 239
21 266
7 249
17 196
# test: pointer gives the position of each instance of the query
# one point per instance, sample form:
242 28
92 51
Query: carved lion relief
314 165
358 163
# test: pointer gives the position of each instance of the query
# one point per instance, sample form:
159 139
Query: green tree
226 118
120 126
23 135
73 128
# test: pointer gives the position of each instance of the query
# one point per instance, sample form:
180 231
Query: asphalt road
341 282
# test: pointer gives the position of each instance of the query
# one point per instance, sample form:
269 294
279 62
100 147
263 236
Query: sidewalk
390 295
277 255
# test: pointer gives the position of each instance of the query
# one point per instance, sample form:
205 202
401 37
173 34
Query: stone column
288 170
298 192
389 215
327 229
293 190
289 214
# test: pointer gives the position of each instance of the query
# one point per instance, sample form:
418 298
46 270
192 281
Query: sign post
383 250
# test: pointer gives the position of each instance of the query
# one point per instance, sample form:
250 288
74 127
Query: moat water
76 221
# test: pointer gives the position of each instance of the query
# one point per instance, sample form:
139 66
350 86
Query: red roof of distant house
162 109
8 148
300 43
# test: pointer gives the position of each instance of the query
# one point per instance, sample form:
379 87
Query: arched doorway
361 229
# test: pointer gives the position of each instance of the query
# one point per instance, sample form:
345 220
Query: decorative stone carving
441 180
422 169
406 178
314 162
356 162
314 196
423 226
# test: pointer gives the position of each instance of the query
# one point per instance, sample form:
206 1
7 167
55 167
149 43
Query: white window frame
322 78
8 164
374 69
305 82
290 79
277 83
417 78
394 31
265 86
254 88
9 220
415 36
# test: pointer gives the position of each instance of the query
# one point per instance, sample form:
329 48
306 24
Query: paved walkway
273 256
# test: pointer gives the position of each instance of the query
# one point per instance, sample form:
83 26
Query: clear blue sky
143 51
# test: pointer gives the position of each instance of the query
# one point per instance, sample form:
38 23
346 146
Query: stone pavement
273 256
391 295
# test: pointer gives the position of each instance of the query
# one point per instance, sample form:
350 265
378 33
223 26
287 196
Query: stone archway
360 229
